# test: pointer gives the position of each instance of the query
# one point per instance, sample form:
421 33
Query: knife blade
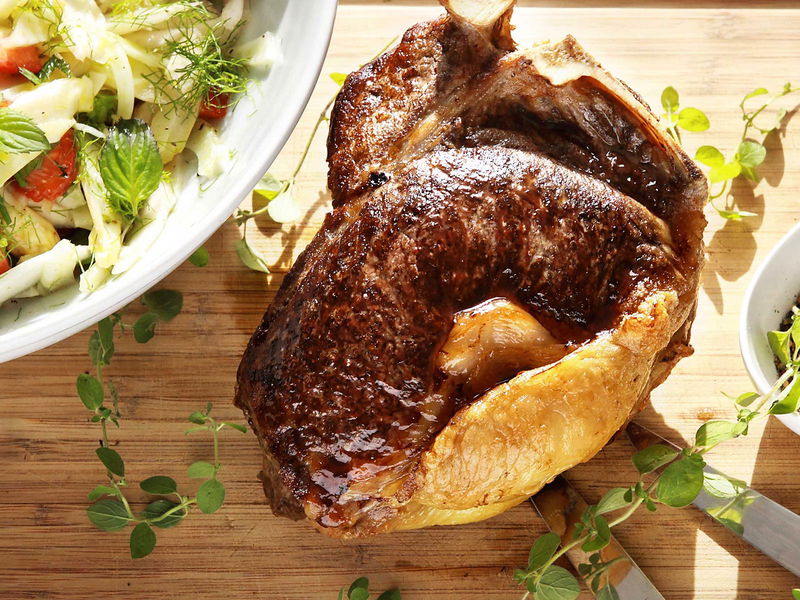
561 507
763 523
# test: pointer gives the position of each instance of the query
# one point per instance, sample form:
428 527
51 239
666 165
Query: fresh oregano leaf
557 584
249 257
750 154
201 470
237 426
108 515
601 538
198 418
101 490
756 92
693 119
680 482
199 257
270 186
720 486
359 589
614 499
145 327
796 594
210 496
651 458
338 78
166 304
157 508
724 172
392 594
670 99
101 343
19 134
283 209
709 156
542 550
112 460
143 540
90 391
160 485
734 215
715 432
746 399
130 165
779 117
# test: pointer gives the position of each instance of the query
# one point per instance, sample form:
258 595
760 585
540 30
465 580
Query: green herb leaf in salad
110 509
103 110
131 166
53 64
19 134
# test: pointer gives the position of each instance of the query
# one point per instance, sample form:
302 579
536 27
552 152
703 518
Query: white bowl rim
754 370
43 335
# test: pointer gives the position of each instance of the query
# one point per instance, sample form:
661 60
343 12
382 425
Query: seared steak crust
459 172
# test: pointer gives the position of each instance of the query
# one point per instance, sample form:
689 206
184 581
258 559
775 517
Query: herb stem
323 116
727 507
557 555
775 387
123 499
215 431
185 504
632 509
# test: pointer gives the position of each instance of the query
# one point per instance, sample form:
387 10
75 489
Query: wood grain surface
713 52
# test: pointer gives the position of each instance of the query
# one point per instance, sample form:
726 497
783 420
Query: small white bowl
256 130
770 295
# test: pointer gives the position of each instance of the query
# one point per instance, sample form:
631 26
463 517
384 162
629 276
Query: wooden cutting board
713 52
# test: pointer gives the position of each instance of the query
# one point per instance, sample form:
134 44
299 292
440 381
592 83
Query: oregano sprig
111 509
750 152
668 477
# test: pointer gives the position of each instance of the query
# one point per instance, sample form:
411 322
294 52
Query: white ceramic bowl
768 298
256 129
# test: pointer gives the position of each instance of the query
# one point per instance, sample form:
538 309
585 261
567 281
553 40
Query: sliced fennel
43 274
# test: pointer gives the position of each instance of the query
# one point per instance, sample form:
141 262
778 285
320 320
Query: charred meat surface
464 171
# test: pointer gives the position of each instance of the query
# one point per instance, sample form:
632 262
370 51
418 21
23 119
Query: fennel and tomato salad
99 99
